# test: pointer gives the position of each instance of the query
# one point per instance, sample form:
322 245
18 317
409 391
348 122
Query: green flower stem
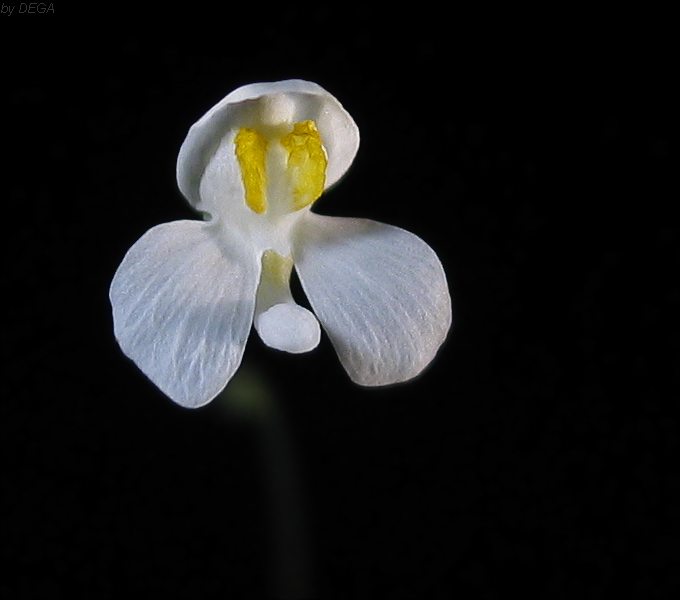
248 397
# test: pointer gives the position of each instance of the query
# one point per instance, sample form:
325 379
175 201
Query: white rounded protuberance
288 327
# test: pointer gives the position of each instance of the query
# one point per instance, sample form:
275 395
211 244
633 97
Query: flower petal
183 303
380 293
248 106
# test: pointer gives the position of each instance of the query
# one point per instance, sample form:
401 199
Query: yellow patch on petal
251 150
276 269
306 163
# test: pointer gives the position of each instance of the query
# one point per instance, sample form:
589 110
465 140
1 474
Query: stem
248 397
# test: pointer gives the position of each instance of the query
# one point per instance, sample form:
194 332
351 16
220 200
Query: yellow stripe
251 150
306 163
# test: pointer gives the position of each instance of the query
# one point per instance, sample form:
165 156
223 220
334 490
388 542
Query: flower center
304 162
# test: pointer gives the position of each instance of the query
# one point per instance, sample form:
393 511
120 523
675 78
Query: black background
538 453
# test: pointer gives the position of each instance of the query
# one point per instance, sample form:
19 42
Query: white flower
187 292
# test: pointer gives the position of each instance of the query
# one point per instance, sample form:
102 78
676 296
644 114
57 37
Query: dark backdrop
538 453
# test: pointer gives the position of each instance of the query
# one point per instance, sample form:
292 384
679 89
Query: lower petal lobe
380 293
183 303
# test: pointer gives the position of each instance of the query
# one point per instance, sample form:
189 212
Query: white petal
250 106
183 304
289 327
380 293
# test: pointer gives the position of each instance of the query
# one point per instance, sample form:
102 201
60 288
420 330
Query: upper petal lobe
250 106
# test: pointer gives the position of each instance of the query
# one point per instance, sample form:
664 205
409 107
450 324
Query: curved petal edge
183 306
380 293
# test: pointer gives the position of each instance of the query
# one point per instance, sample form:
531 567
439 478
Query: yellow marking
251 150
276 269
306 162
